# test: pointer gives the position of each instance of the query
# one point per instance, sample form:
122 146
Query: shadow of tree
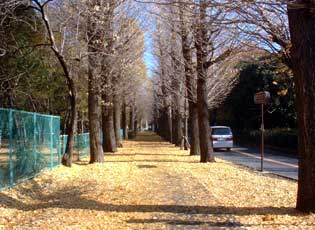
70 197
150 154
153 143
225 224
153 161
147 137
81 162
217 224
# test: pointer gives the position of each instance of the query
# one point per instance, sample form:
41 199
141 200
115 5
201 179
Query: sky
148 55
147 22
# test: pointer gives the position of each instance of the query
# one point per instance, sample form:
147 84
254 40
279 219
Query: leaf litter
151 184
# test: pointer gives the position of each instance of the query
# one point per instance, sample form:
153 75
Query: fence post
11 146
35 141
59 148
51 143
77 143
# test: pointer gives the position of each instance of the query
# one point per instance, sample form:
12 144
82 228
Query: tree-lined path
106 66
150 184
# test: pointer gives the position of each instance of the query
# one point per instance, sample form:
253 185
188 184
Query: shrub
278 137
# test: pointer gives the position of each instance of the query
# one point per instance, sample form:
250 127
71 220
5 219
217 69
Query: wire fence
29 143
81 145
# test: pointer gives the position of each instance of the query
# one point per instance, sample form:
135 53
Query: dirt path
150 184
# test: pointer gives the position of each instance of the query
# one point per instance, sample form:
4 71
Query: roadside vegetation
239 111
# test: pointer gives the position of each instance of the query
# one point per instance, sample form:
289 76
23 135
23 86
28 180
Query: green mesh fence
29 143
81 146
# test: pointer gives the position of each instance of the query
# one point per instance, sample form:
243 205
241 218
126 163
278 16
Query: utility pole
262 98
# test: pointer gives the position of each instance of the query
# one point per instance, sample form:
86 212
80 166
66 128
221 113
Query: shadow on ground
229 224
70 197
148 136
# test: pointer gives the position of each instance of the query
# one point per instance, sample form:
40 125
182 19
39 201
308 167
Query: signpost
262 98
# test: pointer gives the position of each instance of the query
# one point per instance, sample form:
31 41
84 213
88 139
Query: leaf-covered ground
150 184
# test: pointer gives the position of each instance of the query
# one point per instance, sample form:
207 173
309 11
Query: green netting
63 143
81 145
29 143
121 134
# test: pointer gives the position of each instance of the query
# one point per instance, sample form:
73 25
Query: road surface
275 162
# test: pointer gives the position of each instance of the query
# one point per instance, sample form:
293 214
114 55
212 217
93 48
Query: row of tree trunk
196 94
302 30
108 110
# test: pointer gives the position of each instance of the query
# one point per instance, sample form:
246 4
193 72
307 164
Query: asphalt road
274 162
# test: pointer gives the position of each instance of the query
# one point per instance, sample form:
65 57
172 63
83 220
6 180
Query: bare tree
302 29
95 36
164 90
224 75
210 44
190 78
264 24
213 44
267 25
41 7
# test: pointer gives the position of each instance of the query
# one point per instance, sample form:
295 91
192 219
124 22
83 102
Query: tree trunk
117 120
8 95
162 126
170 124
190 82
176 112
135 131
176 83
132 121
185 145
178 129
65 122
78 128
165 124
302 29
185 136
194 129
206 150
132 118
109 140
125 121
174 122
68 156
96 150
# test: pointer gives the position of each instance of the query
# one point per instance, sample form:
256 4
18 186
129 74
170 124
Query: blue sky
148 55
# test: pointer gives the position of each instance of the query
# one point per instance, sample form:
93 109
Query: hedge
286 139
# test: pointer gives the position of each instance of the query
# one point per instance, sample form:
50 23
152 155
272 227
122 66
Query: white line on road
266 159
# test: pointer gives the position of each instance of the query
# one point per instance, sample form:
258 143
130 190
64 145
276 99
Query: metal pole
11 164
82 123
35 140
262 137
51 142
186 144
